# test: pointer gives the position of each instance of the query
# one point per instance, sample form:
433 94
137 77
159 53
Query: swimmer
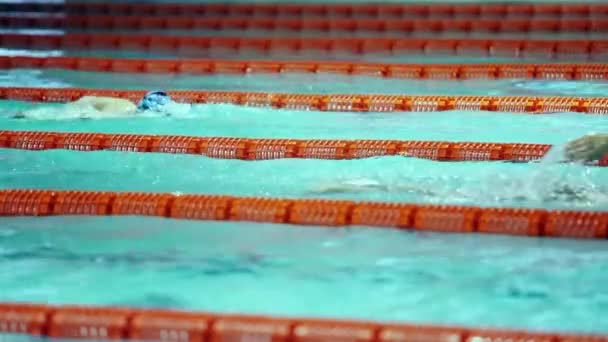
589 148
89 107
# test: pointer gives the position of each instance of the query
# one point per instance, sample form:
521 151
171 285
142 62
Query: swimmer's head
154 101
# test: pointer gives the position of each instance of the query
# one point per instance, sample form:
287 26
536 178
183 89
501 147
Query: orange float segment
430 103
175 144
581 338
371 148
473 103
434 150
303 102
441 72
515 336
4 138
386 103
323 149
447 219
591 72
89 323
405 71
524 152
517 104
153 325
526 71
383 215
260 210
559 104
61 95
224 97
32 140
97 65
483 71
343 103
595 106
127 143
263 149
24 318
571 224
476 151
24 94
83 203
225 148
320 331
370 70
142 204
200 207
324 213
526 222
188 96
26 202
80 141
555 72
233 328
263 100
334 68
413 333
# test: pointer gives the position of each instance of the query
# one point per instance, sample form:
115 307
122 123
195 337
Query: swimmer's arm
109 105
588 148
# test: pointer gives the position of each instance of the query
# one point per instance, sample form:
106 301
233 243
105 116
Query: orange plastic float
405 71
349 25
334 102
317 212
361 11
112 323
263 149
561 50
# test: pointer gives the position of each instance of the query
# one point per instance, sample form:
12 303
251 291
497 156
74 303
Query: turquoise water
307 271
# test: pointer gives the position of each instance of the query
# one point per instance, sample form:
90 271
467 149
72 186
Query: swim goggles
155 101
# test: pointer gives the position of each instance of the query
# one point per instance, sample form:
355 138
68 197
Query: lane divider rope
397 27
585 71
380 11
265 149
332 102
314 212
123 323
570 50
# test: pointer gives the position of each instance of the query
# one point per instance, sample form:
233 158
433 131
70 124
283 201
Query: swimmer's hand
588 148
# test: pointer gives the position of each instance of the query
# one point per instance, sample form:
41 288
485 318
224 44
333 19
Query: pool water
307 271
359 273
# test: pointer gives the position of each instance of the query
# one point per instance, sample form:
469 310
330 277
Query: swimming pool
258 268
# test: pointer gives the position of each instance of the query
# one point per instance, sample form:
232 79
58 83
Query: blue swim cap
154 100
